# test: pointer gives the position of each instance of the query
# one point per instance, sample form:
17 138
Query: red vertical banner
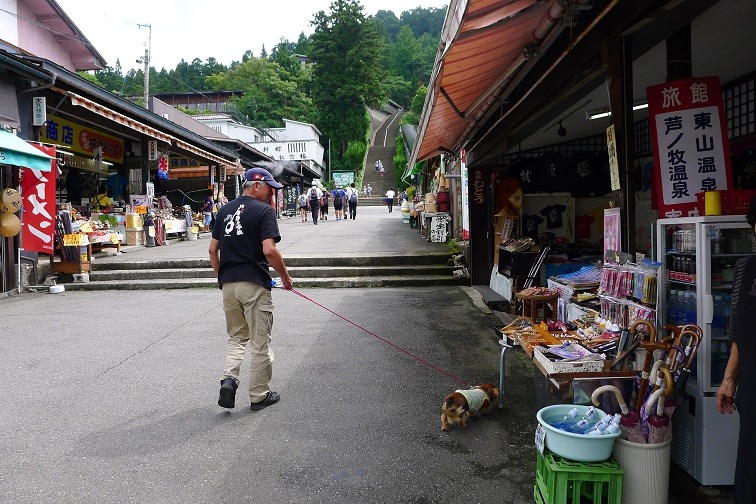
691 151
38 192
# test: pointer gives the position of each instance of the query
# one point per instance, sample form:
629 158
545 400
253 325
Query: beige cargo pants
248 307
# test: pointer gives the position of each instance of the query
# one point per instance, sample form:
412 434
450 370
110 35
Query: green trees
271 92
346 51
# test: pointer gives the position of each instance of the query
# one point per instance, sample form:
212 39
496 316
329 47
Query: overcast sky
191 29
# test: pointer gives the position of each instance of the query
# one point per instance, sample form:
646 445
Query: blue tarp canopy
15 151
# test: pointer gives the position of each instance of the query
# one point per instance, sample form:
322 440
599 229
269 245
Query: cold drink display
699 256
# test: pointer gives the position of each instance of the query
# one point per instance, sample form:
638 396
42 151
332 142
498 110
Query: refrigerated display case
698 256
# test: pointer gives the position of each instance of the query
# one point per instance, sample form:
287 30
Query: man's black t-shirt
241 226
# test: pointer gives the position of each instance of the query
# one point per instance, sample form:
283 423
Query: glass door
723 245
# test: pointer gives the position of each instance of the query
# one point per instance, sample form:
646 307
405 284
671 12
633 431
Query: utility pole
146 61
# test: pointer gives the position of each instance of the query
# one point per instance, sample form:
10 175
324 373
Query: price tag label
151 231
141 209
540 438
86 228
113 238
73 240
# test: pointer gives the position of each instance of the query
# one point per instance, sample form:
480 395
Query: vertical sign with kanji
162 167
38 191
691 152
465 196
611 144
39 110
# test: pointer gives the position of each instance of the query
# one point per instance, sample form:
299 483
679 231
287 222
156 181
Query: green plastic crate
562 481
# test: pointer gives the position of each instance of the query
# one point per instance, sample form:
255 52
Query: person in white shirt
352 195
390 199
314 194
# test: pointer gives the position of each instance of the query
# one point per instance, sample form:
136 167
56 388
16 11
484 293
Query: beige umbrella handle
658 399
617 393
658 371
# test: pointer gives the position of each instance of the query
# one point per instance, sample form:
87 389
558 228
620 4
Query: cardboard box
134 237
134 220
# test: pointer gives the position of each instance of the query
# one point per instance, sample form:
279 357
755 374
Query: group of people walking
316 201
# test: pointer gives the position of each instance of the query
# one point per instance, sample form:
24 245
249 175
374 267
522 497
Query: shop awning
485 43
119 118
231 165
409 172
15 151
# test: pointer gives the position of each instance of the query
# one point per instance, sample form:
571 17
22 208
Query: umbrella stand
629 420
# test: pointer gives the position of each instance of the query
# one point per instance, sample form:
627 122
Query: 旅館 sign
82 139
691 152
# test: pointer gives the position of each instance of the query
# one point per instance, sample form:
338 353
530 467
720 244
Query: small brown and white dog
462 404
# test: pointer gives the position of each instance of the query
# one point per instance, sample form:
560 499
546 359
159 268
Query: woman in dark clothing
741 372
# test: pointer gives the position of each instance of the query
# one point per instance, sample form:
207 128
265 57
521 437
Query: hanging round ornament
10 225
10 201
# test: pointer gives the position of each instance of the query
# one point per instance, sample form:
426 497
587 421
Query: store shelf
673 252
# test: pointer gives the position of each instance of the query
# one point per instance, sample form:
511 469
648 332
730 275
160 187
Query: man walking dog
242 250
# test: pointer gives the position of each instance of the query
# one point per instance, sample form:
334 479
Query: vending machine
698 256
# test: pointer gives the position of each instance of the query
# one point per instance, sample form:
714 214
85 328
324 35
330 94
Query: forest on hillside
353 60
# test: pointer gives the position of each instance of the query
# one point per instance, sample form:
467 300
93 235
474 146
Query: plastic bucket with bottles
578 446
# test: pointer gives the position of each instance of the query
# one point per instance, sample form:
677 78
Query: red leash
456 378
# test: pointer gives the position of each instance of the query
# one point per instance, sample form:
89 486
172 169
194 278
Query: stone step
324 272
189 283
342 260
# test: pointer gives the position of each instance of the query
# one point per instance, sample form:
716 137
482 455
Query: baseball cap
264 175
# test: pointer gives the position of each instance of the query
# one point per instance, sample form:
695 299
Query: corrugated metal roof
485 47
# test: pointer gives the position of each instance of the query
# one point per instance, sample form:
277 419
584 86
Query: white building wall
9 22
37 40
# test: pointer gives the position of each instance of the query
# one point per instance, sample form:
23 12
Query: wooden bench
493 299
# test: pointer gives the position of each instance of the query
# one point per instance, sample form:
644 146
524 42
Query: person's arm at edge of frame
726 392
214 250
276 262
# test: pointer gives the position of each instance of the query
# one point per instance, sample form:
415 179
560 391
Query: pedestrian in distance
302 202
338 202
369 191
352 196
739 373
217 205
314 201
207 211
242 250
390 199
380 167
324 204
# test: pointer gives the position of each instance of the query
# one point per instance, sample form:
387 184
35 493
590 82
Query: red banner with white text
38 192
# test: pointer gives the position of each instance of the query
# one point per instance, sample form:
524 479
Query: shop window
739 107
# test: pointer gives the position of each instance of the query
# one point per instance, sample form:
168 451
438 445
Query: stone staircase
370 270
383 148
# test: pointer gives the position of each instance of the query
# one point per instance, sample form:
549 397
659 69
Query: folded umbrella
682 371
631 429
659 424
649 346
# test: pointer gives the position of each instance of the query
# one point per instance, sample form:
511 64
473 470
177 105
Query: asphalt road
111 397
